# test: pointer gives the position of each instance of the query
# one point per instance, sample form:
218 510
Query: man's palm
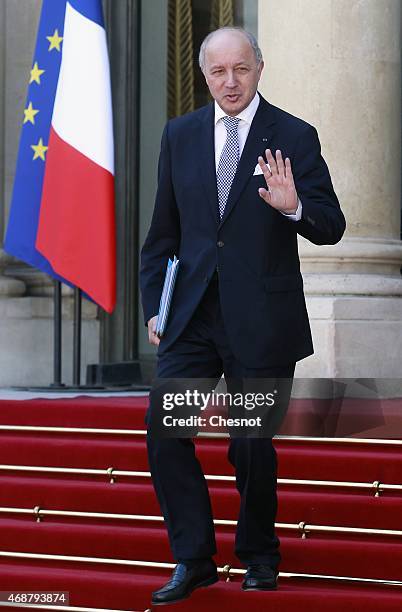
281 191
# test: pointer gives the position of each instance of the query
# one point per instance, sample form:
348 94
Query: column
337 64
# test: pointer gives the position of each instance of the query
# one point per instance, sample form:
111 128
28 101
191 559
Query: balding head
232 63
250 38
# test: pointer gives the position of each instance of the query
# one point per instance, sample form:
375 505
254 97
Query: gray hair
250 37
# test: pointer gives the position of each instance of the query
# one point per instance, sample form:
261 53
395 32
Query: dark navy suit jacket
254 245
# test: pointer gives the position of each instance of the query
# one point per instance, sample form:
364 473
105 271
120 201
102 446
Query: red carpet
127 587
110 590
318 555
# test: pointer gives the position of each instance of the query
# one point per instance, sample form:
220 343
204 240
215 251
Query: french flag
73 224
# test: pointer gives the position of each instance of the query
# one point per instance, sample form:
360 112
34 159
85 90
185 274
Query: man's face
231 71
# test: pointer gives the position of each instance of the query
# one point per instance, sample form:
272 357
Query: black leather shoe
260 578
183 582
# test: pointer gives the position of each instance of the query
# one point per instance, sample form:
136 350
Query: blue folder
166 297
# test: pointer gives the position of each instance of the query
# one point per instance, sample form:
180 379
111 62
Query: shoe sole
273 588
204 583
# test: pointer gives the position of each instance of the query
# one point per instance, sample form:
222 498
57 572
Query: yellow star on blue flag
55 41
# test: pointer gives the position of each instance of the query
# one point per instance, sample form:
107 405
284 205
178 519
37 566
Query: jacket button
220 243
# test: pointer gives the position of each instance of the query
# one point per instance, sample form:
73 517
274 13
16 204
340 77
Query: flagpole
77 338
57 338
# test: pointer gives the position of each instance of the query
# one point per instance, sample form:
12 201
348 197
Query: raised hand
281 191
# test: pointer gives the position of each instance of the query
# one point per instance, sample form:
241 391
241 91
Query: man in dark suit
238 180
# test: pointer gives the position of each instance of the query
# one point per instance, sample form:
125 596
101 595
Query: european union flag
25 205
62 217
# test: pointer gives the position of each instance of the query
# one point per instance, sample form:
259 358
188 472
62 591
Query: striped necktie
228 162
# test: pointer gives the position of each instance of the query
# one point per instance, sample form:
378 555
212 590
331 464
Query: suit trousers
203 351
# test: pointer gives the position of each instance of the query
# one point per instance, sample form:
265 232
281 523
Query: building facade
334 63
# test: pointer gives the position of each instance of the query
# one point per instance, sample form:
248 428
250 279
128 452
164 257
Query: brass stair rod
211 435
39 512
110 471
162 565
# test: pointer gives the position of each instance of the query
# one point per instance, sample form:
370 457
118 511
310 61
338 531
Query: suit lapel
258 139
206 158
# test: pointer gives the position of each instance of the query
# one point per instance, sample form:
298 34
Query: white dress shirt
246 117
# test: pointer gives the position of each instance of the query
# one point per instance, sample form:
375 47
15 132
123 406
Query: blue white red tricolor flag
62 216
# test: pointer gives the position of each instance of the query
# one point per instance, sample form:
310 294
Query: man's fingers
279 163
288 168
153 338
264 167
272 162
265 194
